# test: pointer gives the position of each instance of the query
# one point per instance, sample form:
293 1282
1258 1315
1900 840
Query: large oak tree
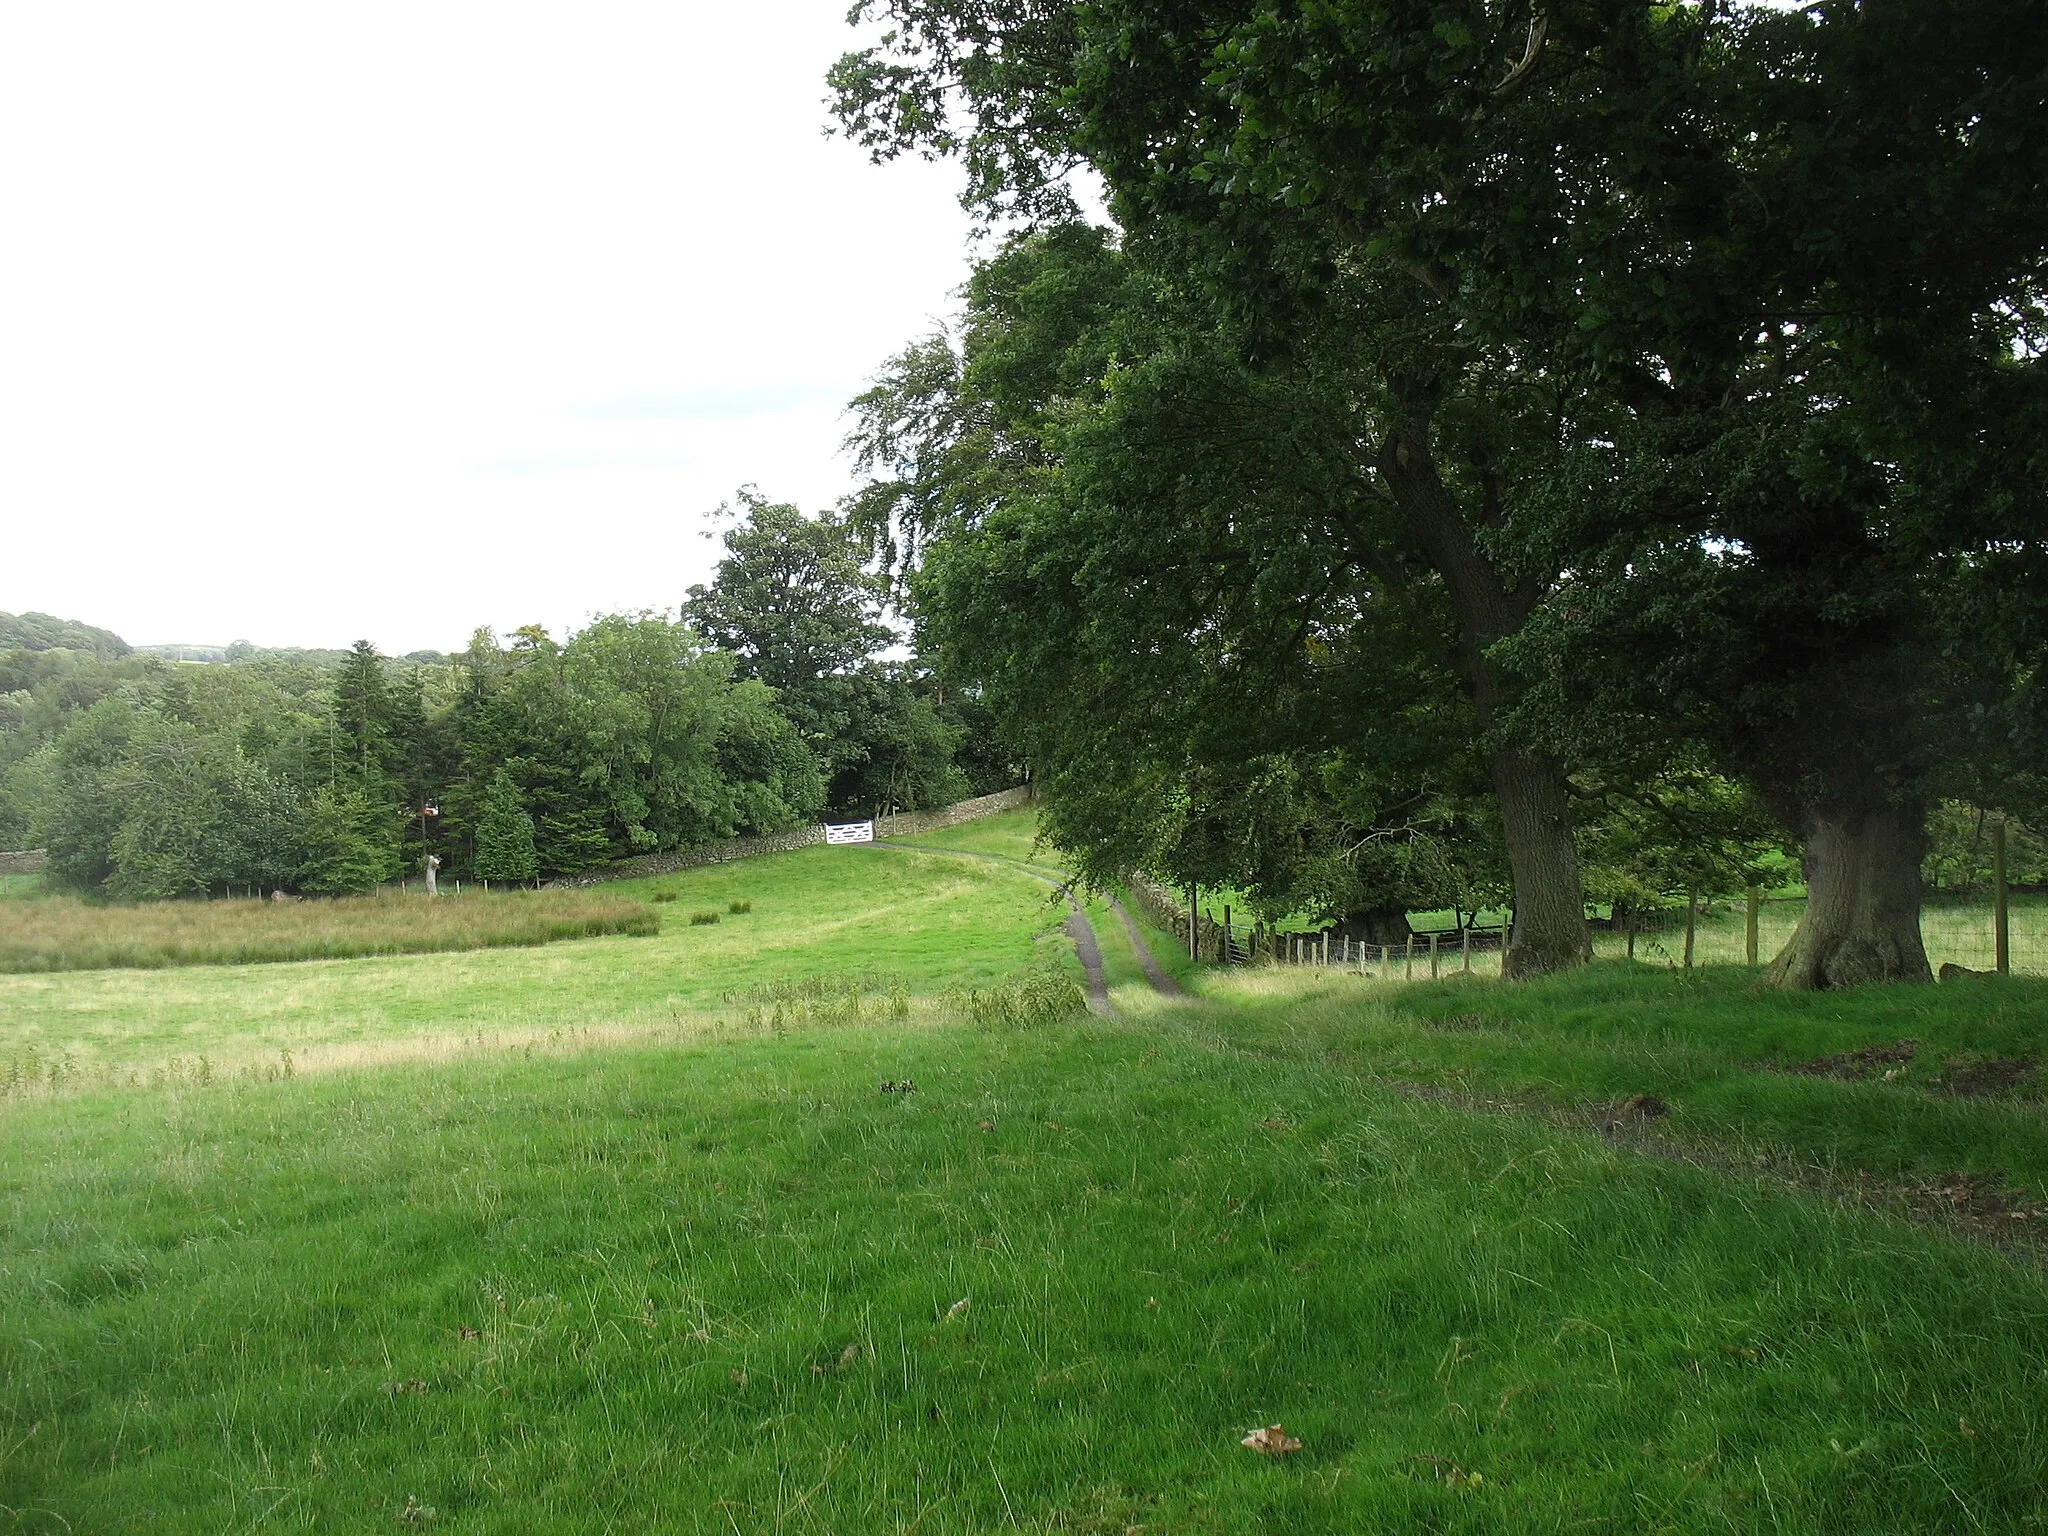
1782 267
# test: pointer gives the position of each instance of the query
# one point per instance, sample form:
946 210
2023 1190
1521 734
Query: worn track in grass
1974 1206
1078 928
1162 983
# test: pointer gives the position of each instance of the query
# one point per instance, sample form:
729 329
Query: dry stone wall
1167 911
30 861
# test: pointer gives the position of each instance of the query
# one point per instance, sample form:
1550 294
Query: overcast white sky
392 320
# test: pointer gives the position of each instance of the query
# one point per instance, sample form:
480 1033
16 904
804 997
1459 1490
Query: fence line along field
1955 933
60 933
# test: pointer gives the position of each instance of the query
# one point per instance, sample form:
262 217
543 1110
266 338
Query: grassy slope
819 912
1013 835
1009 834
238 1301
1705 1042
708 1283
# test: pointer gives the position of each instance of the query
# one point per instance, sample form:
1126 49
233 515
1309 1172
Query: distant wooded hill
46 632
304 656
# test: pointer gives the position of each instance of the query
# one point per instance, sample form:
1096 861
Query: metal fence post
2001 918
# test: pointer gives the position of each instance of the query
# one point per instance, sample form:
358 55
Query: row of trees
1612 433
765 705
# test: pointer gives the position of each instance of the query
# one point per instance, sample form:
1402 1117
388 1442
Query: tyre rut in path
1082 932
1162 983
1077 926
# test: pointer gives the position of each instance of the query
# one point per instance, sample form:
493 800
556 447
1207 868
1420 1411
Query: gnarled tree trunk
1549 932
1862 921
1376 925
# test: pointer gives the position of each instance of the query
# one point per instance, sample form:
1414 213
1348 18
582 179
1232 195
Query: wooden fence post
1465 944
1756 898
1432 957
2001 915
1692 914
1408 961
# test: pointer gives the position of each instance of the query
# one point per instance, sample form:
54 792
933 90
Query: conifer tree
362 709
504 834
351 844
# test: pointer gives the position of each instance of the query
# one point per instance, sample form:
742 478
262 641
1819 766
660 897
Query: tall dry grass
65 934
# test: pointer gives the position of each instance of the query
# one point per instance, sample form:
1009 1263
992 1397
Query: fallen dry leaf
471 1333
988 1125
1271 1441
956 1309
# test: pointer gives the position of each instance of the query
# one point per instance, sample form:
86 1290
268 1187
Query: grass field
20 886
818 913
1008 834
623 1235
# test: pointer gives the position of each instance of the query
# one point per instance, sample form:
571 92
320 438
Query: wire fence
1959 934
1963 934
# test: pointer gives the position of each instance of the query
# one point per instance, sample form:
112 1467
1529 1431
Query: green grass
622 1235
819 912
1014 835
66 934
21 886
709 1288
1706 1043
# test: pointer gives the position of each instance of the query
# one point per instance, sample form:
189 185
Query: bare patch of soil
1986 1077
1866 1061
